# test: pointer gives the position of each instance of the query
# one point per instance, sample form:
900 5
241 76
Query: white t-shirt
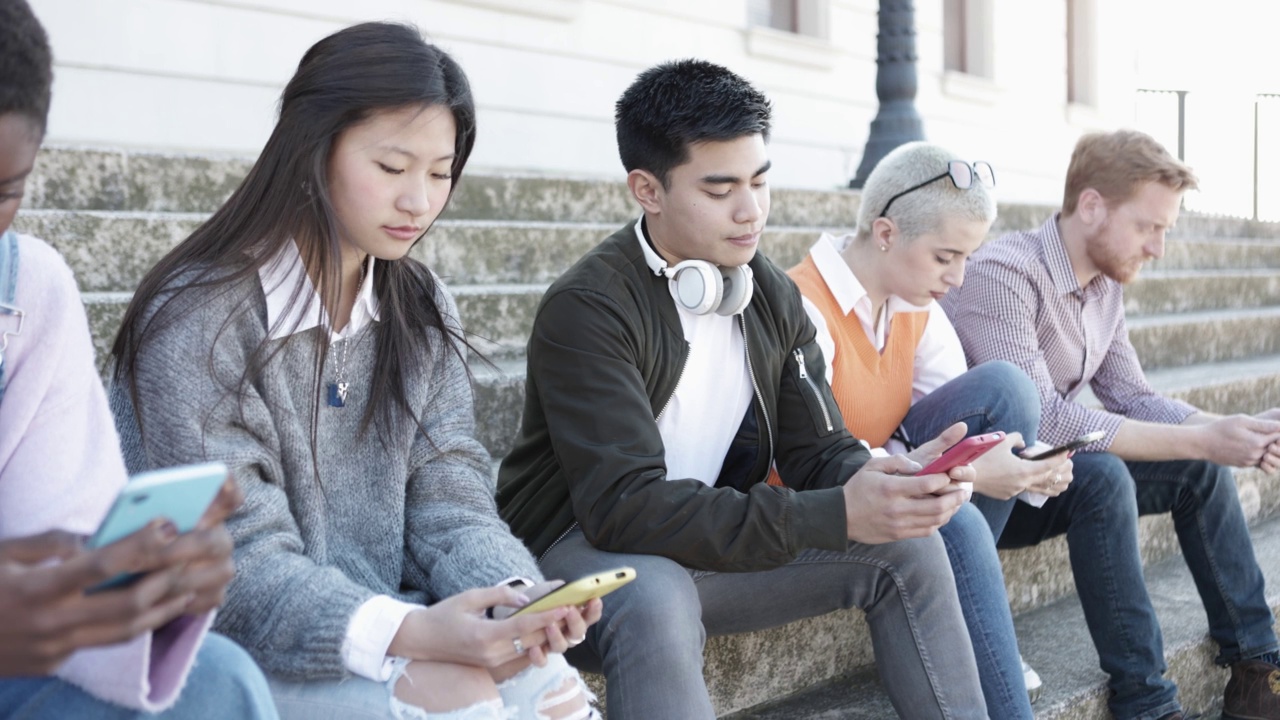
714 393
712 396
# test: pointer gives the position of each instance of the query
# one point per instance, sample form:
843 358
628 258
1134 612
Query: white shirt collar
655 261
284 274
844 285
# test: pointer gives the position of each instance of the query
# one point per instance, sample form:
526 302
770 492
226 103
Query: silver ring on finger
519 646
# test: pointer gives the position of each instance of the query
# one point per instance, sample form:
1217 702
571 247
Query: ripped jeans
523 697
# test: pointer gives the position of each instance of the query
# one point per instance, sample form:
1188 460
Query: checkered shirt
1021 302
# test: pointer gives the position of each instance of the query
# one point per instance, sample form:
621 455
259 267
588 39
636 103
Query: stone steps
1232 386
71 178
1191 338
1179 291
76 178
1189 252
1244 386
460 251
1196 316
112 250
80 178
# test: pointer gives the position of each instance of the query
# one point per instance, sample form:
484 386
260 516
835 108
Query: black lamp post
896 121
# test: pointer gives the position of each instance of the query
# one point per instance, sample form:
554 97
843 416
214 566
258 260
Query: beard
1104 256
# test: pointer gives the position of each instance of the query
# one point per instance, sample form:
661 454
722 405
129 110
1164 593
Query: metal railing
1258 102
1197 130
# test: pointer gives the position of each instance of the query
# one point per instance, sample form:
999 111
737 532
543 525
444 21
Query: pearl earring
884 248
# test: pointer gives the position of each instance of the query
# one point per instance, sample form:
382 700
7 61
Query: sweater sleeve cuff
146 673
373 626
819 520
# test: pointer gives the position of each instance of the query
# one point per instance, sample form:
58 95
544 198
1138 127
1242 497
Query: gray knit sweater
410 518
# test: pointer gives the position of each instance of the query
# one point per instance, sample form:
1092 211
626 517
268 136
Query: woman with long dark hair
292 338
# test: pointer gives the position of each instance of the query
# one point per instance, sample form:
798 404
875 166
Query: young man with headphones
669 370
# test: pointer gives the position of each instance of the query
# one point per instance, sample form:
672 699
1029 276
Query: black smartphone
1085 439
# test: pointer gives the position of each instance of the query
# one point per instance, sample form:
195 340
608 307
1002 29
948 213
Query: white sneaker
1032 679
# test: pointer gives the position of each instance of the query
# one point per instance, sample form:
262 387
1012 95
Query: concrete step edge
1208 273
1201 316
447 221
1165 380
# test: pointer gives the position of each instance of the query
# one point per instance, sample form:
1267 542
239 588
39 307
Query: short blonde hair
1117 164
924 210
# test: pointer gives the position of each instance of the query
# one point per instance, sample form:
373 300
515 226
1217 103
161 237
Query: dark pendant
337 394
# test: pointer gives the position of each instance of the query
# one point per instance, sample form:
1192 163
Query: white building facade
1013 82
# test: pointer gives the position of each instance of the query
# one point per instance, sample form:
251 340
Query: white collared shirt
939 356
284 274
375 623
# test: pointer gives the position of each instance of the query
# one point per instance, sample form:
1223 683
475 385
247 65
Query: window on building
790 31
776 14
966 36
800 17
953 37
1082 71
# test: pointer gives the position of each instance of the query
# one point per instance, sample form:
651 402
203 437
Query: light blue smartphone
179 494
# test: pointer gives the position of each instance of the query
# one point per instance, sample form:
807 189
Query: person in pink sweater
63 653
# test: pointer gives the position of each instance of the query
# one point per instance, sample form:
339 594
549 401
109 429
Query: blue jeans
992 396
1099 514
225 684
650 639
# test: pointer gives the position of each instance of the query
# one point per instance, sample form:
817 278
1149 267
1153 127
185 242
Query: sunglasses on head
962 175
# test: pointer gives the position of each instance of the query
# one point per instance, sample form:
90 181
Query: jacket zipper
672 396
550 547
768 428
804 375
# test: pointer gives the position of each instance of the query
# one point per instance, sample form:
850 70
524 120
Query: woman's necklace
338 388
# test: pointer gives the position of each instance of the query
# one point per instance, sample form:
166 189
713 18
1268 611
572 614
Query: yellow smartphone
581 590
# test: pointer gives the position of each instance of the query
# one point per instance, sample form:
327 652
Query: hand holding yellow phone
581 590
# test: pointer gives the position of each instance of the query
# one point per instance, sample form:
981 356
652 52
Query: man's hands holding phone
45 614
1245 440
884 501
1270 462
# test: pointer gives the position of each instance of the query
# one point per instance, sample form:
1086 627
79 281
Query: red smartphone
963 453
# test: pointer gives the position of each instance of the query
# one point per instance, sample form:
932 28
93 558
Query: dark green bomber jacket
605 356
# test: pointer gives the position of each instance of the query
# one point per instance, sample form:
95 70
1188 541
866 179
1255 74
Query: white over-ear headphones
700 286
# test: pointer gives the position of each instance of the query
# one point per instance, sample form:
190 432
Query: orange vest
872 389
